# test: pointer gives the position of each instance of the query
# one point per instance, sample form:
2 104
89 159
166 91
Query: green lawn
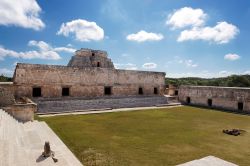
167 136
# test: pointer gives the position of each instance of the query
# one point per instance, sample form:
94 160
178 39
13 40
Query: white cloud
190 63
222 33
225 73
247 72
40 44
186 16
143 36
69 45
22 13
82 30
6 72
127 66
231 57
202 74
44 51
64 49
150 65
46 47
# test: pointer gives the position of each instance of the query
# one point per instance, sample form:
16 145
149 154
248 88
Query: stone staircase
21 144
69 105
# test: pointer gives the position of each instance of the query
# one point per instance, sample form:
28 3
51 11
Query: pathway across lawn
166 136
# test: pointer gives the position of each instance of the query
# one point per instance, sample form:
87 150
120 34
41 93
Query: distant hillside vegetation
5 79
230 81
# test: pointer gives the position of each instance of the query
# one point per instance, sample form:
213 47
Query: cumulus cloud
22 13
150 65
188 63
231 57
6 72
82 30
186 16
127 66
143 36
222 33
44 51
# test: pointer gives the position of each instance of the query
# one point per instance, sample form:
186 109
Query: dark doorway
188 100
65 91
176 92
93 54
140 91
240 106
155 91
98 64
210 102
107 90
37 92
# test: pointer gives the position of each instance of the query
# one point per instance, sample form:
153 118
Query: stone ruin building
225 98
89 81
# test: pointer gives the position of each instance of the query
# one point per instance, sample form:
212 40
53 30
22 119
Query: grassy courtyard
154 137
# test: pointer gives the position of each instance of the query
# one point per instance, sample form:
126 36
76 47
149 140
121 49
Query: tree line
5 79
230 81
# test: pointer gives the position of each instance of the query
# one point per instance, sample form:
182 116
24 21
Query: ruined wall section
222 97
84 82
6 94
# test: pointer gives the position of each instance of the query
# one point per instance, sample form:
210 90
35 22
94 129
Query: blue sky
182 38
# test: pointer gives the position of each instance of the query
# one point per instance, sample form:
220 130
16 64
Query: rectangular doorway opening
140 91
107 90
176 92
37 92
240 106
210 102
188 100
155 91
65 91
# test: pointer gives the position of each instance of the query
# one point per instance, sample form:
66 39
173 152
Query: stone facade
90 58
228 98
6 94
84 78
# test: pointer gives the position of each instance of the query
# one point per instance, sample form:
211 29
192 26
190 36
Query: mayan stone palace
89 81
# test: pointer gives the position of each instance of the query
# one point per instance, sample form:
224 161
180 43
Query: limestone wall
222 97
84 82
90 58
6 94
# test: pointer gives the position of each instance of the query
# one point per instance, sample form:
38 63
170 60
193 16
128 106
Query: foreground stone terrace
22 144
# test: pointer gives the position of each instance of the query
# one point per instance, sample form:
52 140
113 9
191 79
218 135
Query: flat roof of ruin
44 66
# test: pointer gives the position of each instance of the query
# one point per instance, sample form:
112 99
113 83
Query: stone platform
21 144
208 161
71 105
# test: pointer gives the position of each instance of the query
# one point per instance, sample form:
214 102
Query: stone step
21 144
72 105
